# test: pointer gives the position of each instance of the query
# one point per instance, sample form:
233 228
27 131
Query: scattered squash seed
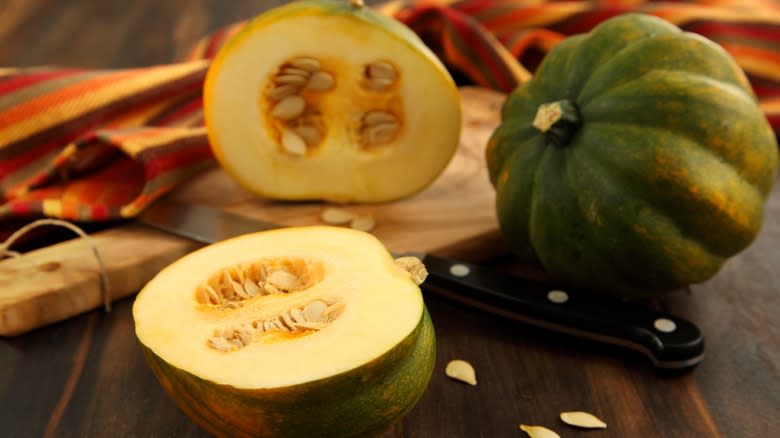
414 267
538 431
363 223
582 419
461 370
336 216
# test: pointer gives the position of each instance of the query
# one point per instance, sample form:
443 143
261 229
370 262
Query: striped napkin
95 145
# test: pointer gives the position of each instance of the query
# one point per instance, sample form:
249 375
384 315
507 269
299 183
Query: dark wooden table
86 377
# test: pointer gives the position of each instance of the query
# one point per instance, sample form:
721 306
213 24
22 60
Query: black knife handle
669 341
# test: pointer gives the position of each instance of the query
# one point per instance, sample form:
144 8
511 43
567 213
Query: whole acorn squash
635 161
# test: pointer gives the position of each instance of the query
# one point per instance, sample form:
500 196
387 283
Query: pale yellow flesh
248 149
383 306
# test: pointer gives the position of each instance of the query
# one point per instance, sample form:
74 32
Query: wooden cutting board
453 217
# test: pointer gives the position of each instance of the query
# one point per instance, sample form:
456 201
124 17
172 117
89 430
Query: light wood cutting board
453 217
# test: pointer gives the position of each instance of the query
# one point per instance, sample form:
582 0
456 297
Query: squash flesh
383 306
246 141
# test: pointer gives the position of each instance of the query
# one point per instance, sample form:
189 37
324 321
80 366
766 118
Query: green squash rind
362 402
665 179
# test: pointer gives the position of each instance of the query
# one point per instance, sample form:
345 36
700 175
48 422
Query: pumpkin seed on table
336 216
363 223
582 419
538 431
461 370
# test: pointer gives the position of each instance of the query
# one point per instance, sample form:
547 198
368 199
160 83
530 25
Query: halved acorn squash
296 332
323 99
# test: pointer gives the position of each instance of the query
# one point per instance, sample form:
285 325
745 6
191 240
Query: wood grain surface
85 377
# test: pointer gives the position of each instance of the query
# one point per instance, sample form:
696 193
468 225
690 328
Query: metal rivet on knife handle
664 325
557 296
459 270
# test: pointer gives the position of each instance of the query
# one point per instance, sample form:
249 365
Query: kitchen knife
668 341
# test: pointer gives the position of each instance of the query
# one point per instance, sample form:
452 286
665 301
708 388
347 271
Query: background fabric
88 145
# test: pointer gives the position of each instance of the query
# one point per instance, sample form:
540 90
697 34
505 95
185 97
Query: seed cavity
461 370
232 287
292 111
292 90
582 419
299 320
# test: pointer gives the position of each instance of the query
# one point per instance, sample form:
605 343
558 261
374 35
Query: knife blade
665 339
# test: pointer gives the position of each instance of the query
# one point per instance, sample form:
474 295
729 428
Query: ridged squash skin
360 403
656 172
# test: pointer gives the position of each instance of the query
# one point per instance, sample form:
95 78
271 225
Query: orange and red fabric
88 145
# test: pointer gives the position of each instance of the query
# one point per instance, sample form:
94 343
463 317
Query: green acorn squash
636 160
296 332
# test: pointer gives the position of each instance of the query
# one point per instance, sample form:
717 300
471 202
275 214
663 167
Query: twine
6 252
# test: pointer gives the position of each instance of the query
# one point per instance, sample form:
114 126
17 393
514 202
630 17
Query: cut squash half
309 331
330 100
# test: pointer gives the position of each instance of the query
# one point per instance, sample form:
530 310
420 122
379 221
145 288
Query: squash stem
559 120
357 3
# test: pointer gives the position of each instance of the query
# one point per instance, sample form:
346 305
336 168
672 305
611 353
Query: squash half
323 99
333 339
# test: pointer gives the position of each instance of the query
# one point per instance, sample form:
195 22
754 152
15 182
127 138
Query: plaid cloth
88 145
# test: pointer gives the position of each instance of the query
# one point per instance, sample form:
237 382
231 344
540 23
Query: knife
666 340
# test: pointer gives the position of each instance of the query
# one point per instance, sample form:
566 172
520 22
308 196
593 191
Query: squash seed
582 419
414 267
309 133
297 315
320 81
252 288
290 79
461 370
363 223
288 108
305 63
378 84
292 71
283 280
293 143
336 216
377 117
220 343
382 69
381 133
279 92
333 311
313 312
538 431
